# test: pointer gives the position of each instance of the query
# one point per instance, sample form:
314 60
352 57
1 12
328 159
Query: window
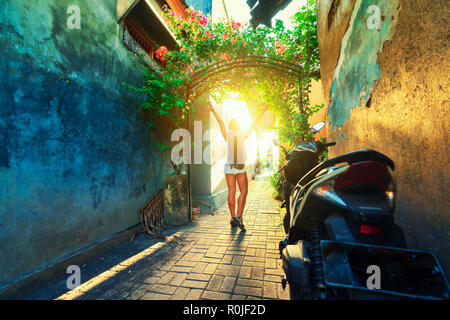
144 29
137 42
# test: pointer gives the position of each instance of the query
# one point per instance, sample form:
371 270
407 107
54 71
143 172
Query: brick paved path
213 260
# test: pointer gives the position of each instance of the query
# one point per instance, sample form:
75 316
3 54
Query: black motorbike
341 239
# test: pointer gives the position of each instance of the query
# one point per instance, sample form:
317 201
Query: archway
221 74
275 63
222 71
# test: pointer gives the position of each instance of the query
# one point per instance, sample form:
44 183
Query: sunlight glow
231 107
267 149
240 11
238 110
235 108
265 143
110 274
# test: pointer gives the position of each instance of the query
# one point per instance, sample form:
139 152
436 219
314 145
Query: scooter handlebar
330 144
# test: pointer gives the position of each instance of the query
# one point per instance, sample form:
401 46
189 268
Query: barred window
144 29
138 43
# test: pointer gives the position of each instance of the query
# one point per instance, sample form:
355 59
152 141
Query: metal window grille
135 41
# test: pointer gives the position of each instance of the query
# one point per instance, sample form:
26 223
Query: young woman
235 165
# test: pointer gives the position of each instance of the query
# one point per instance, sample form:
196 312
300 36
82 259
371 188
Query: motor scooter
340 227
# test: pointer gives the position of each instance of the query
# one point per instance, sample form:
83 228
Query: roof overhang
263 10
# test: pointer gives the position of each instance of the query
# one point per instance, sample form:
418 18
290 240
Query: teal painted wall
357 68
404 69
77 159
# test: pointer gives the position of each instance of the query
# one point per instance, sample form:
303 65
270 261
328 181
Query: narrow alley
205 260
127 127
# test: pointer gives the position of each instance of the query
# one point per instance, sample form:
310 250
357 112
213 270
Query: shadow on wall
79 160
422 199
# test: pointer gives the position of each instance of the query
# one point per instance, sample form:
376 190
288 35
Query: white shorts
229 170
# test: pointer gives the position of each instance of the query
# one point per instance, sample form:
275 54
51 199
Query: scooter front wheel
296 292
286 222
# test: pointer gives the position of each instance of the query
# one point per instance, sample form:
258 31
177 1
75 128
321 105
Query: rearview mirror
318 126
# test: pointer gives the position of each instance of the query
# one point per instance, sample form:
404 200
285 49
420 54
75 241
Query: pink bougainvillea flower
233 40
280 47
235 25
225 37
203 21
160 53
224 56
280 52
245 43
203 38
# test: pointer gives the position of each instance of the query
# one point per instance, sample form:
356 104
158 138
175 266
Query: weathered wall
76 157
406 74
333 17
201 173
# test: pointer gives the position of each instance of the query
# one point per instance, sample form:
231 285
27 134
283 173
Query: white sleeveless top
238 136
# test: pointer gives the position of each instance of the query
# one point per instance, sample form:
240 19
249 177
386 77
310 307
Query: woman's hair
234 125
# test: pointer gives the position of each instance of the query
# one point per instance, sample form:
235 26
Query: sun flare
235 108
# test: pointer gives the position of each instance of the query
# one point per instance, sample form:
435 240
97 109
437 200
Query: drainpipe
189 168
226 11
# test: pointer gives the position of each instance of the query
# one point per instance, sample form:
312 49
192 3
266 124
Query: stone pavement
205 260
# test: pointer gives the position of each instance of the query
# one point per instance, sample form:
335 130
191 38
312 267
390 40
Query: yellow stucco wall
316 98
408 117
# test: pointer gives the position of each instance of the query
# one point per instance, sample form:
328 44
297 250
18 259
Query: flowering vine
202 42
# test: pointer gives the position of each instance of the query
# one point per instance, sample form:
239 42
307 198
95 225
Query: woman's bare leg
242 182
231 184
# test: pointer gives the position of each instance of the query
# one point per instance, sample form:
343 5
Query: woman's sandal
234 222
240 223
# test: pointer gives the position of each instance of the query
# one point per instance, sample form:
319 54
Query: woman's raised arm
223 129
